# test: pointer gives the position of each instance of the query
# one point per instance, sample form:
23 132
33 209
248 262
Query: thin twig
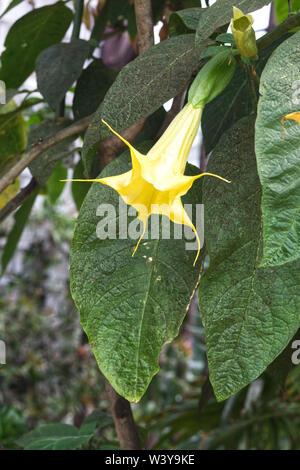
144 21
123 419
75 129
18 199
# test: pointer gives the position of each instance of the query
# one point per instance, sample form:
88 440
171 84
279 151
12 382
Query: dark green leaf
91 88
129 306
278 157
249 314
221 13
142 87
12 5
57 436
54 184
32 33
58 67
79 190
14 236
184 21
42 167
232 104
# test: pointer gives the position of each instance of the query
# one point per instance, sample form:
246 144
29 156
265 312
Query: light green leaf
129 306
249 314
278 157
142 87
57 437
282 9
54 184
79 190
58 67
220 13
32 33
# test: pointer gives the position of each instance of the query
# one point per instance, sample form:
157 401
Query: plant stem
290 23
144 21
123 419
75 129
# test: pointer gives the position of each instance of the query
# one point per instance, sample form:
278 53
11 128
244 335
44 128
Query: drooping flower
157 181
243 33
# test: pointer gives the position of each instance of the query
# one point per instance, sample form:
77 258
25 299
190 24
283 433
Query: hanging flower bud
212 79
243 33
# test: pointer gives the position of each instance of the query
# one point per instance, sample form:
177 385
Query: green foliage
12 426
42 167
12 5
58 67
21 218
93 84
13 138
167 66
249 313
282 9
149 305
221 13
31 34
278 155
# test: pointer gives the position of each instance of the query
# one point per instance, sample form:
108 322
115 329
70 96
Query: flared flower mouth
156 181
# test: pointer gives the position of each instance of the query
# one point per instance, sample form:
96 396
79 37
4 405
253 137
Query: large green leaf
32 33
282 9
58 67
142 87
129 306
277 157
233 103
249 313
220 13
58 436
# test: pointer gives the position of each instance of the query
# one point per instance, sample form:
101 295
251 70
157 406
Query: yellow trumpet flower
157 181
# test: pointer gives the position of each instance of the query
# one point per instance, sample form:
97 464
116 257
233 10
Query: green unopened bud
212 79
243 33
